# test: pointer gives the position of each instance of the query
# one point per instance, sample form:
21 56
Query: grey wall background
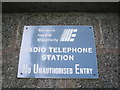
106 36
34 7
0 45
60 0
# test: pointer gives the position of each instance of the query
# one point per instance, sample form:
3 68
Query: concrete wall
106 36
23 7
60 0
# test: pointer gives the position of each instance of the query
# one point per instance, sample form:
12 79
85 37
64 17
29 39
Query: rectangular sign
58 52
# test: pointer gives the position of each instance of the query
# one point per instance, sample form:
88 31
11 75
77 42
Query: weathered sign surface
58 52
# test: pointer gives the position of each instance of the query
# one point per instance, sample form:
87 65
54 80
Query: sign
58 52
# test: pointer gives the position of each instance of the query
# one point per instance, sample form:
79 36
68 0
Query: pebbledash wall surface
106 37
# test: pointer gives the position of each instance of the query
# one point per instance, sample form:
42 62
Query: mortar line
101 36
